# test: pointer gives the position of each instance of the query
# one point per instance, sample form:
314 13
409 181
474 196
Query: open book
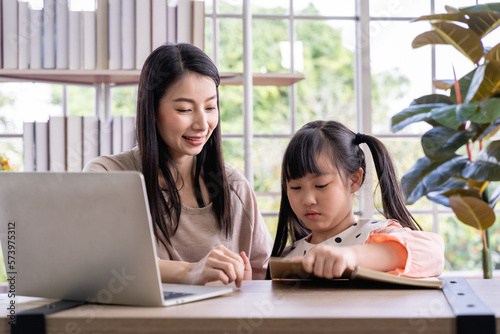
282 269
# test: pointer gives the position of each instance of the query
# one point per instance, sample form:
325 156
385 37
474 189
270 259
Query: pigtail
392 197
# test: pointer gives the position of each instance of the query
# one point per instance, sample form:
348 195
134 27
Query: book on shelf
184 21
142 32
105 141
172 21
57 141
102 35
48 34
24 22
74 42
116 130
115 36
74 143
128 34
1 44
198 20
284 269
41 146
89 39
90 138
158 23
36 39
128 133
62 30
9 34
29 146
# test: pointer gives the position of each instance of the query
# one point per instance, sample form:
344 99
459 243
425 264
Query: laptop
85 237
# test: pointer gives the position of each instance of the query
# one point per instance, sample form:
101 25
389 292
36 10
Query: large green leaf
485 82
490 109
451 185
431 37
427 175
482 171
479 130
412 114
457 16
442 141
491 7
464 40
483 22
493 53
494 197
432 99
472 211
487 165
491 130
446 115
491 152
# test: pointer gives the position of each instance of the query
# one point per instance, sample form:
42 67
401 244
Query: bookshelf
131 77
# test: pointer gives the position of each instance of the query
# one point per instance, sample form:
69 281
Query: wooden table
274 307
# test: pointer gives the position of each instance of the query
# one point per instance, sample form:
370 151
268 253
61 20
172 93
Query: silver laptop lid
79 236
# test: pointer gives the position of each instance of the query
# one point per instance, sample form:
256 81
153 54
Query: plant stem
487 270
469 150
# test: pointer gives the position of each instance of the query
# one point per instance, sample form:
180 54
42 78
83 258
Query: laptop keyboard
172 295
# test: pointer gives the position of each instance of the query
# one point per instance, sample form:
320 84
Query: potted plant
461 166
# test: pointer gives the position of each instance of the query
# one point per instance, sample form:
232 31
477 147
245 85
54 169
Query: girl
323 166
207 224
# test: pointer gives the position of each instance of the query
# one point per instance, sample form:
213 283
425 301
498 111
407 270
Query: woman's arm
220 264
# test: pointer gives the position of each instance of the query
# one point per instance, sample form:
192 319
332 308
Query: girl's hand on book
329 261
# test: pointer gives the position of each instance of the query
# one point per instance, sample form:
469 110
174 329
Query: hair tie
359 139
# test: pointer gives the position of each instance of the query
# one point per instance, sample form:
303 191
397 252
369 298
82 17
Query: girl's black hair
162 69
342 147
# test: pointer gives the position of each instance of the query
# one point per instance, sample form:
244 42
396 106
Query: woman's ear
356 179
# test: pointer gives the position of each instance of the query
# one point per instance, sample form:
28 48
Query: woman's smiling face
187 115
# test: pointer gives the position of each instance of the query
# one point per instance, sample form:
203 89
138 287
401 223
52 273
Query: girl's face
324 202
187 115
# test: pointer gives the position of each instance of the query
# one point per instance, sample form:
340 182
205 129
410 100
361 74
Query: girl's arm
330 261
220 264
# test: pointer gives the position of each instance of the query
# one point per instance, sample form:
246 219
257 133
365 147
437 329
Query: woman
207 224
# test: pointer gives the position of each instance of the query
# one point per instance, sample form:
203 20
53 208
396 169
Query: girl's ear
356 178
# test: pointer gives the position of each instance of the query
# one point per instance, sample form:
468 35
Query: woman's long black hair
163 68
342 146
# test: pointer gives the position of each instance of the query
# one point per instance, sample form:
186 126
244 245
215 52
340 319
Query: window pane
233 153
268 37
209 37
12 149
123 101
272 224
324 8
464 244
28 102
399 73
270 7
328 90
209 8
229 6
392 8
271 110
405 152
231 109
267 155
230 44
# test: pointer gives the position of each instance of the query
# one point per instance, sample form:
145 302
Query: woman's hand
220 264
247 275
329 261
